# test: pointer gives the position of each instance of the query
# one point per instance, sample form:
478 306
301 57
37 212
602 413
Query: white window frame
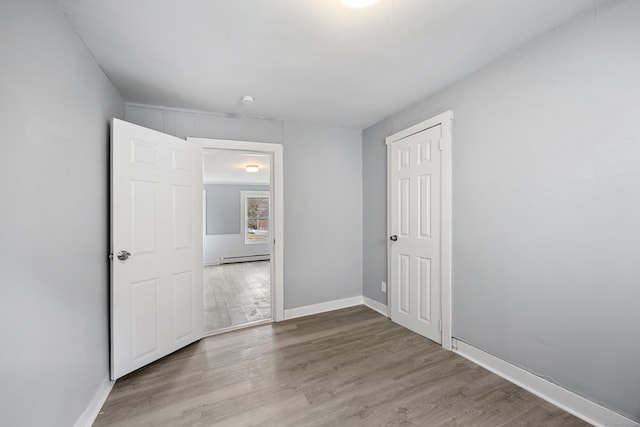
244 195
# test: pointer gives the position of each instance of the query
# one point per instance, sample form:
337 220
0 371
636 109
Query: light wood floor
236 294
350 367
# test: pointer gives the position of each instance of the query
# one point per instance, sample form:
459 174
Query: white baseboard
308 310
90 414
571 402
377 306
244 258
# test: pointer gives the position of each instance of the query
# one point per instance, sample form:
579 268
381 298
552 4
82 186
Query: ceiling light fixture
359 3
252 168
247 99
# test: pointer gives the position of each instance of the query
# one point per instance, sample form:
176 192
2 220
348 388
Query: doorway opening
237 238
274 154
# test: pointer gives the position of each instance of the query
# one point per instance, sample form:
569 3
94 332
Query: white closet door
415 225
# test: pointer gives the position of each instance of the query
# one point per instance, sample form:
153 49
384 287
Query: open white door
156 244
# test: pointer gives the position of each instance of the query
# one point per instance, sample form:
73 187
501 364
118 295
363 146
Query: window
256 216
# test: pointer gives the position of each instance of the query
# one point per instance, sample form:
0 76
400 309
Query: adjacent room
237 248
319 212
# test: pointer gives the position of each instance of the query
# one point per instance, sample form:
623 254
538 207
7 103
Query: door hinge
440 142
440 325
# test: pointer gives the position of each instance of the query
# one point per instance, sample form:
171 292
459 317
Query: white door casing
419 200
276 206
156 202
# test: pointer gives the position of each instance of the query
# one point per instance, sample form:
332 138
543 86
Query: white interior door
156 244
415 232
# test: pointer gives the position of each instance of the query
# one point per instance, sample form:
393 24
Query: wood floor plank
350 367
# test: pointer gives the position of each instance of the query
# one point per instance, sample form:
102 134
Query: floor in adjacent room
236 294
351 367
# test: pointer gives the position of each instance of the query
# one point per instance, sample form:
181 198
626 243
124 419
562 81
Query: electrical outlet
383 287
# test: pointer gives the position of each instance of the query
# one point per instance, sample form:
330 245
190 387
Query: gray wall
322 192
546 201
55 104
223 207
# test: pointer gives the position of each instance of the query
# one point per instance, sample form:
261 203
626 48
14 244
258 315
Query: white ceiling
228 166
305 60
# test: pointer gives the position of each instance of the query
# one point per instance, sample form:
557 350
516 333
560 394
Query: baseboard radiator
232 259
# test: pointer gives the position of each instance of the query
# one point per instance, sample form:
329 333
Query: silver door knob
123 255
393 238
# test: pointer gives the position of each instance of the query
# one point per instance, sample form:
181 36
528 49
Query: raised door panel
182 218
424 152
404 158
144 154
182 162
182 305
424 289
404 207
144 218
144 319
424 206
404 283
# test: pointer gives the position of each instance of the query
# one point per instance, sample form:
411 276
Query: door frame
277 203
446 121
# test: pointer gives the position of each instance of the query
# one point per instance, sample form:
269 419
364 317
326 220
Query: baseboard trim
571 402
308 310
244 258
377 306
88 417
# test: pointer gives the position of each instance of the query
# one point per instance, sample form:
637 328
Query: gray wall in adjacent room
546 201
223 207
322 195
55 104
